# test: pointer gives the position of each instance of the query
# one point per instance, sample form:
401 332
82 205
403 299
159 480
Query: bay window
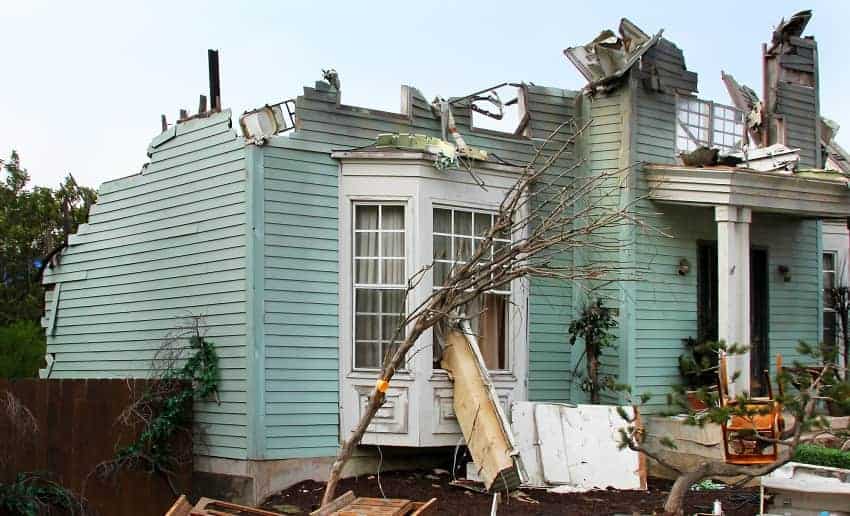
380 278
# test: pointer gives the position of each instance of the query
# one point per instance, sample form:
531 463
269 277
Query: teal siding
604 147
161 245
301 336
666 303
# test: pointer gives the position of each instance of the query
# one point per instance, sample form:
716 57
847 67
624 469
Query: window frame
712 128
354 285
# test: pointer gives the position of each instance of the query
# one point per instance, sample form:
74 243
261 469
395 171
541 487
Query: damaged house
294 236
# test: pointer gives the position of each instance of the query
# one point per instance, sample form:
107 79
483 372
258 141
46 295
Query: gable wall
158 247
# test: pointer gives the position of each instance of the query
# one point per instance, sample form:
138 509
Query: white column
733 289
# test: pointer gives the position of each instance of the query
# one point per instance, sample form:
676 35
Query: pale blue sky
83 83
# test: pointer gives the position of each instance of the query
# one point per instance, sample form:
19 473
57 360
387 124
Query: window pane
463 248
483 221
367 354
442 221
828 261
488 314
366 244
367 217
366 271
392 217
828 279
367 300
463 223
366 327
442 247
392 301
393 272
441 273
829 328
392 244
389 327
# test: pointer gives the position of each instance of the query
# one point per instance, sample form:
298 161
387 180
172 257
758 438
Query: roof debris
608 57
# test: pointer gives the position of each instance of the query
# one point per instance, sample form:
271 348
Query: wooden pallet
349 505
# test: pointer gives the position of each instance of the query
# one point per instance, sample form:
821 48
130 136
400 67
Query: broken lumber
486 429
348 505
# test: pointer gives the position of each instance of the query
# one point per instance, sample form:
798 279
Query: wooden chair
741 444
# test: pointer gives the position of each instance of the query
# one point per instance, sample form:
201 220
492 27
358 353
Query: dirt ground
424 485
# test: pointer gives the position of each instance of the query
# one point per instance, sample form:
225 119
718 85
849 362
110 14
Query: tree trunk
593 373
676 499
375 402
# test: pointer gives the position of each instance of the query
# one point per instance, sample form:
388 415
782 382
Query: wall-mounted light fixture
785 272
684 267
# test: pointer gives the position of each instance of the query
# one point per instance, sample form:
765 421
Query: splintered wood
348 505
484 425
210 507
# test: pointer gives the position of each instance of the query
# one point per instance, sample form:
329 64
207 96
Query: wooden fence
76 428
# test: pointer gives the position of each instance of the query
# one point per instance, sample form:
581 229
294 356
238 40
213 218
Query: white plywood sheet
527 442
575 447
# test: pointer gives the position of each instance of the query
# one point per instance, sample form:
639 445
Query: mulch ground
424 485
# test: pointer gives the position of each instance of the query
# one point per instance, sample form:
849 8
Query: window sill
497 376
364 374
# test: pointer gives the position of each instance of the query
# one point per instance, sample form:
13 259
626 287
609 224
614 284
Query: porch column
733 290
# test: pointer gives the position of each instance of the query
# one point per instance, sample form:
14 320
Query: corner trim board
255 302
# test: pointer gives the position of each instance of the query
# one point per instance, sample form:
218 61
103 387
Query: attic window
501 109
705 123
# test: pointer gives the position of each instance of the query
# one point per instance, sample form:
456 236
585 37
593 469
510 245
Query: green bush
821 456
22 348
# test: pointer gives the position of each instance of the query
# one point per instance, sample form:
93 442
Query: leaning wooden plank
424 508
212 507
484 425
181 507
335 505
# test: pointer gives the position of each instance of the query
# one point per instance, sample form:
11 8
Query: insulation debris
775 158
483 422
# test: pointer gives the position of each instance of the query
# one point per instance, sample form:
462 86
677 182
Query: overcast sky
83 84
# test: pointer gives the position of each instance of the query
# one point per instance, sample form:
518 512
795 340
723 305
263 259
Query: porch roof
800 193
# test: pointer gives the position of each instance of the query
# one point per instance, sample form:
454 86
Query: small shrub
822 456
22 348
31 494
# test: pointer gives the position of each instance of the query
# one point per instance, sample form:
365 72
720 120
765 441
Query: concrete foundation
251 481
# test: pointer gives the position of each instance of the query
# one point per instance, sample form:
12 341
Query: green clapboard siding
300 265
666 303
161 245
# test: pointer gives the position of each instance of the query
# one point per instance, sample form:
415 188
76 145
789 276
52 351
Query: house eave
767 192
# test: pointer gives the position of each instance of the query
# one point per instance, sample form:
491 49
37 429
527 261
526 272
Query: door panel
759 348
